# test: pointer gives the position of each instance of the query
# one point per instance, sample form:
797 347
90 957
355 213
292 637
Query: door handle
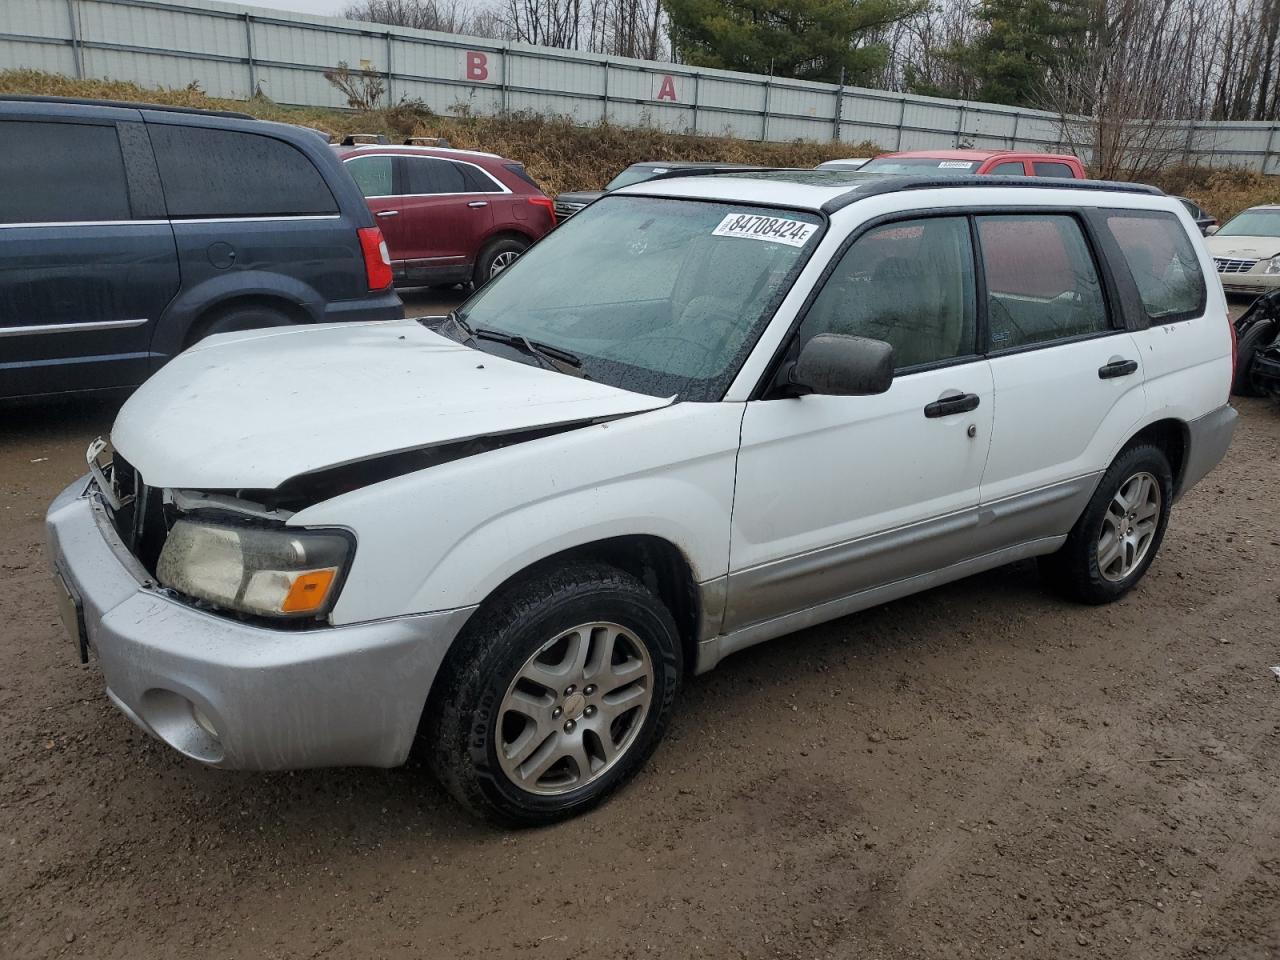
956 403
478 203
1117 368
388 213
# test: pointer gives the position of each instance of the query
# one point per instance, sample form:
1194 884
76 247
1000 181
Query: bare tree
446 16
1120 100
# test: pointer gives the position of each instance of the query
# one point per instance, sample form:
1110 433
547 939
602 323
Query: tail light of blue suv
377 259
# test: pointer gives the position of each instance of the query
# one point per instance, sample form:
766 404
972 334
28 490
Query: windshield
921 165
660 296
1253 223
634 175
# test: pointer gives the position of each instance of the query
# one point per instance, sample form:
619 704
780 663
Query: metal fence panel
232 50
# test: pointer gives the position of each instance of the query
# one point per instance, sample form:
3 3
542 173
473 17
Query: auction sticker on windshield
750 226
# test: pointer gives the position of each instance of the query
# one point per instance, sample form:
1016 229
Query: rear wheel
554 696
234 319
496 257
1118 534
1260 334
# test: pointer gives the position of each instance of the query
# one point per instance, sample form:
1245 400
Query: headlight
272 572
1273 266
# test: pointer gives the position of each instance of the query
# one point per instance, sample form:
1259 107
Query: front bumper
1253 283
275 699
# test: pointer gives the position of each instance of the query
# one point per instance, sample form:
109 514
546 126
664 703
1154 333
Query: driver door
836 495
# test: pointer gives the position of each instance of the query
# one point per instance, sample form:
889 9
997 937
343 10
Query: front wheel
1118 534
496 257
555 695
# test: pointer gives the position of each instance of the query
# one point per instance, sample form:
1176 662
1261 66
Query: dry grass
1224 193
560 155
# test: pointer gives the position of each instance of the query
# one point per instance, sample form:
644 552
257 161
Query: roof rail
879 184
354 139
710 169
127 104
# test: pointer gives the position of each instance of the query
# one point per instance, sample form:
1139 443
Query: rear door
1068 376
1054 169
87 261
1008 168
443 219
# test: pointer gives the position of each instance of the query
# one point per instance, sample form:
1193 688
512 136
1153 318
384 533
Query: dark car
1205 220
567 204
1257 354
129 232
449 216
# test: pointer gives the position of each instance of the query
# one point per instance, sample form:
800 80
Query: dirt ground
974 772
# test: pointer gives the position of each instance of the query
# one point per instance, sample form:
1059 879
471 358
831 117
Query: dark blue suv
127 233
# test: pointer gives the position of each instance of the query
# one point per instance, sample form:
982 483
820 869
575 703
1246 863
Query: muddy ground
973 772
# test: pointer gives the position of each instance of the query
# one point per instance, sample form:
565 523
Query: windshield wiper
553 358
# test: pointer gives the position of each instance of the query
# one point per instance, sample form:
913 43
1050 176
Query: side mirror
1210 230
840 366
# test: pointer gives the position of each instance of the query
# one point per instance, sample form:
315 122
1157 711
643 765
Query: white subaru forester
707 412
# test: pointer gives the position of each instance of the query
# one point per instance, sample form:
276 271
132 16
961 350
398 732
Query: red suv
449 216
1007 163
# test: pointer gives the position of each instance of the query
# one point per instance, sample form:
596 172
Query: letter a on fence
667 91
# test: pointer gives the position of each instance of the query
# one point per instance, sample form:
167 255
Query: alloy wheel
1129 526
502 261
574 709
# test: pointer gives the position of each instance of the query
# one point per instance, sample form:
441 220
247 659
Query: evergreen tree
1024 47
804 39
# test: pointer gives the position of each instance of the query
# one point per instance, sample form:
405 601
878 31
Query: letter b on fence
477 65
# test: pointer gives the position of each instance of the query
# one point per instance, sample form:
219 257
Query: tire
485 699
1083 569
496 257
235 319
1259 335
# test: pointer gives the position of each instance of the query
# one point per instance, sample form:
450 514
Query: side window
475 180
1041 281
1050 168
372 175
910 283
1162 262
1010 168
226 173
61 172
428 175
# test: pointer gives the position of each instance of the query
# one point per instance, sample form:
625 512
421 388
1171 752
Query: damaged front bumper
234 694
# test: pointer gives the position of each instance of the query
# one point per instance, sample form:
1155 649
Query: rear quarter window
227 173
1162 263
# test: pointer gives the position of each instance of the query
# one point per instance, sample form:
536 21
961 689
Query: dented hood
252 409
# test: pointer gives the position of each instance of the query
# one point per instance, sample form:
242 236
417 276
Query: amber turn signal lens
308 591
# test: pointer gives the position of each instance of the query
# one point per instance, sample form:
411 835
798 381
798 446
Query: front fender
447 536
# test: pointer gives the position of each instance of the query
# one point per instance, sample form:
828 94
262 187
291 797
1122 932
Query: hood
252 409
1243 248
580 196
